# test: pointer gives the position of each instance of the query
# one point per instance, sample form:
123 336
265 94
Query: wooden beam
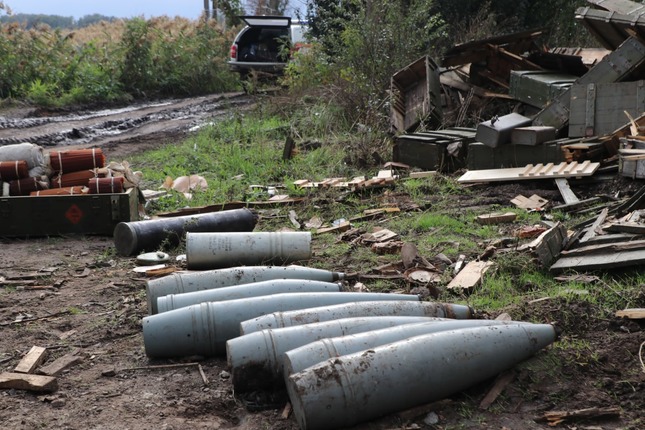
60 364
24 381
31 360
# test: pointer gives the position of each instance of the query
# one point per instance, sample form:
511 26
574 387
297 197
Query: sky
119 8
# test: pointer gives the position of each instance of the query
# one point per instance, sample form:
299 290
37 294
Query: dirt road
118 130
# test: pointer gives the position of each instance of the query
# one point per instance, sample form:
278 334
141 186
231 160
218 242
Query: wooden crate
25 216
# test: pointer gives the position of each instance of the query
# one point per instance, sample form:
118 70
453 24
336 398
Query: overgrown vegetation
113 61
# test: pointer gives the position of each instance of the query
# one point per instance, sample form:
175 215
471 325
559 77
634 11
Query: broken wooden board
534 202
604 248
607 260
31 360
565 191
501 382
625 227
344 226
496 218
24 381
548 246
57 366
470 276
380 235
633 314
538 171
595 227
556 417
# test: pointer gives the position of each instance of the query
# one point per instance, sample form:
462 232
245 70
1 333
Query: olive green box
98 214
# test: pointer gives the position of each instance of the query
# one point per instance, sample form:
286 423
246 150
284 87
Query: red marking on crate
74 214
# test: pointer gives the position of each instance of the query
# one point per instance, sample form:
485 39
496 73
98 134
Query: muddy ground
74 295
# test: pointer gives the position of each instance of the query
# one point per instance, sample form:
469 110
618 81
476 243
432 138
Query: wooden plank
615 247
24 381
470 276
31 360
501 382
593 230
344 226
496 218
601 261
565 191
419 175
565 170
626 227
60 364
634 314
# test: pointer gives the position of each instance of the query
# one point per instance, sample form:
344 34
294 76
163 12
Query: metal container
216 250
256 359
203 329
351 310
298 359
133 237
497 131
255 289
188 282
532 136
344 391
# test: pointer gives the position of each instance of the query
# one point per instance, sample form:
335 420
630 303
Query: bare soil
75 295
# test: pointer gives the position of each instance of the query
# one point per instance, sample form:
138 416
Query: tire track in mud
101 127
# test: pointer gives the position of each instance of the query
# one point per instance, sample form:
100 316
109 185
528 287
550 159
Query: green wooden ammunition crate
538 88
482 157
599 109
26 216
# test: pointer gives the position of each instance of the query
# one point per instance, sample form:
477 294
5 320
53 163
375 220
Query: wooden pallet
537 171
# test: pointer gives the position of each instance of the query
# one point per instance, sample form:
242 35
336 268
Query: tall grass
114 61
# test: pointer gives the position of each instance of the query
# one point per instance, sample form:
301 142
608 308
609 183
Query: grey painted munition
344 391
300 358
349 310
203 329
256 358
188 282
133 237
216 250
255 289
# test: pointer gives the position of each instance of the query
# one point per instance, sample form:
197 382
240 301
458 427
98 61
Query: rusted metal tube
188 282
216 250
349 310
133 237
256 359
344 391
255 289
203 329
300 358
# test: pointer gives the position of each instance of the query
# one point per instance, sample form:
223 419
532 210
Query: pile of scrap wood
615 238
30 375
569 104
